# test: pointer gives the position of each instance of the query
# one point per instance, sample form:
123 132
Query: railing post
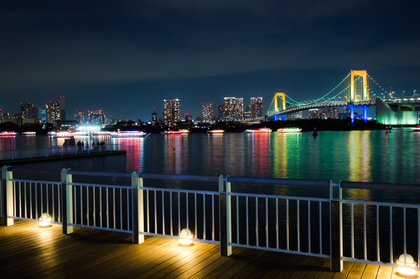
66 201
137 207
225 218
7 196
336 231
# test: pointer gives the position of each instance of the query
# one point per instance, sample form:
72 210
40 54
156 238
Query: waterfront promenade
26 250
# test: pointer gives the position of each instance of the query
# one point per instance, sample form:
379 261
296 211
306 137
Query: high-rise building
206 112
220 112
247 112
96 116
28 111
256 107
234 109
52 112
170 112
79 116
154 117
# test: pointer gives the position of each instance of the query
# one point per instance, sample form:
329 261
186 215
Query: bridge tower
283 96
365 94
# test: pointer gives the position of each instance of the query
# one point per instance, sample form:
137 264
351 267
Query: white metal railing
34 198
321 225
379 232
168 213
106 207
57 151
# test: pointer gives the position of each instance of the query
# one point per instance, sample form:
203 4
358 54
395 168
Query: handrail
380 186
179 177
299 182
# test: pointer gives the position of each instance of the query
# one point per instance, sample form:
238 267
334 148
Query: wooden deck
29 251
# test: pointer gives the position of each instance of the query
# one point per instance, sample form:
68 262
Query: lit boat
8 134
60 134
417 129
177 132
260 130
289 130
29 133
215 131
128 134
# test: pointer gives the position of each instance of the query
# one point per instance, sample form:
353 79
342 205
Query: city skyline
125 57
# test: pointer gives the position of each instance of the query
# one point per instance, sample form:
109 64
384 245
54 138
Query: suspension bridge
358 90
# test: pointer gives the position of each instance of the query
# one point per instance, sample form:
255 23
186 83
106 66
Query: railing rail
324 225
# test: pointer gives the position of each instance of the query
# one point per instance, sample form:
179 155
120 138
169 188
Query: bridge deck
29 251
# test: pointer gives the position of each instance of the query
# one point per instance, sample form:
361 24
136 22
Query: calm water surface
369 156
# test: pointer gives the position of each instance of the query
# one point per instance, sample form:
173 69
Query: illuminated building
96 116
313 113
234 108
28 110
186 117
256 107
170 112
247 112
79 116
154 117
220 112
206 112
52 112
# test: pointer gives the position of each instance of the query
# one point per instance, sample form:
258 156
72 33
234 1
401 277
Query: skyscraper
170 112
220 112
28 111
206 112
256 107
52 112
234 108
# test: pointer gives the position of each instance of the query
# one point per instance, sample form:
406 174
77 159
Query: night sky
125 57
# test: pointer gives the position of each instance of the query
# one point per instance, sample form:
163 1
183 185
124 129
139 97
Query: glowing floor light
406 267
45 220
186 237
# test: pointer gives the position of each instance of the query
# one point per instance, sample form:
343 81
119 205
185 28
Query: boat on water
215 132
128 134
175 132
260 130
289 130
8 134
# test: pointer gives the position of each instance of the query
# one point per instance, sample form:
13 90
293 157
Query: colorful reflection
135 153
359 156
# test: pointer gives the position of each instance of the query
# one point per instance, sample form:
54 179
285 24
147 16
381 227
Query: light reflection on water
370 156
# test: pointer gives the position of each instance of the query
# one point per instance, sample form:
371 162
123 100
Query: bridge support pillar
365 113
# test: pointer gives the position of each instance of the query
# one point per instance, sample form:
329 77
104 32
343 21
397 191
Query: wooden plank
195 265
319 267
291 267
371 271
356 271
268 264
347 266
280 264
384 272
182 260
303 269
235 264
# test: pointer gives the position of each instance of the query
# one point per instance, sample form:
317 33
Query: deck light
45 220
186 237
406 266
